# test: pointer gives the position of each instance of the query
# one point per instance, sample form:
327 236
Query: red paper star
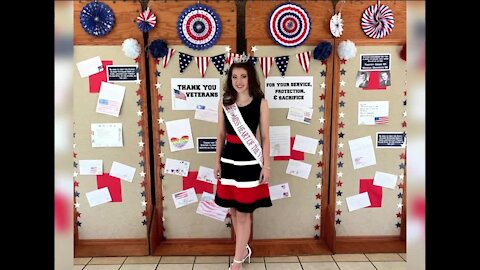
75 183
403 156
318 196
229 215
157 61
141 153
339 212
74 155
162 165
320 131
324 62
342 93
405 93
161 132
143 183
138 92
399 215
320 164
137 59
339 183
78 214
322 96
340 154
160 97
144 213
343 61
341 125
404 124
317 227
400 185
140 122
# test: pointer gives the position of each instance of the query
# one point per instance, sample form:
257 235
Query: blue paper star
401 165
405 102
74 133
338 221
341 134
323 73
157 73
75 164
229 225
398 224
343 71
340 164
77 194
139 102
162 143
320 141
342 103
321 108
317 206
142 193
79 224
140 133
137 70
339 193
144 222
319 175
162 177
160 109
141 163
316 237
400 195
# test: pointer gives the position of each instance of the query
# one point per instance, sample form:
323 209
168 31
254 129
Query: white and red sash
243 132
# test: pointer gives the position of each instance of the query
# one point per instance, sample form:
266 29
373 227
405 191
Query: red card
374 192
113 184
96 80
294 154
191 181
374 82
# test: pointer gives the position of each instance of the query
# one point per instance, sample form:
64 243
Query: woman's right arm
221 134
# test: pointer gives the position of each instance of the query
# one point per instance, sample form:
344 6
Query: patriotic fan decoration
336 25
97 18
377 21
199 27
147 20
289 25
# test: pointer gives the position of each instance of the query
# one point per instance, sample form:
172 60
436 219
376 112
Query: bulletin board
117 227
298 222
181 230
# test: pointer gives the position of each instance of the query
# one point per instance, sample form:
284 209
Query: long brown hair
254 90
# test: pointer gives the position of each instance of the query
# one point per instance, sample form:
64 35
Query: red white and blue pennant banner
199 27
289 25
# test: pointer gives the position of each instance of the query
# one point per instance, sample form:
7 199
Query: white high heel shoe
249 254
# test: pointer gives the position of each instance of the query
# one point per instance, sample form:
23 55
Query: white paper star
158 85
141 144
400 176
75 174
227 49
399 205
322 120
342 83
163 219
322 85
161 120
340 174
342 114
76 205
320 153
317 216
144 203
139 113
161 154
254 49
142 174
404 144
405 114
339 202
138 81
319 185
340 145
74 145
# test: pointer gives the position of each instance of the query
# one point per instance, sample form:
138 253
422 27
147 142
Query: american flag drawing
209 208
179 94
381 120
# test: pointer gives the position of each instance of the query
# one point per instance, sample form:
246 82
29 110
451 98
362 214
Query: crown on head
243 58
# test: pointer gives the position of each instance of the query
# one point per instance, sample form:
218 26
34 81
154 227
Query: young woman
242 169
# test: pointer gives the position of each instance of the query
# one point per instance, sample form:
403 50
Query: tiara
243 58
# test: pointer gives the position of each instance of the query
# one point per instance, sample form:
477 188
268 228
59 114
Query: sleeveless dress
240 172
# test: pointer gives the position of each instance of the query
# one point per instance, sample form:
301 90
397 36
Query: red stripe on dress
243 195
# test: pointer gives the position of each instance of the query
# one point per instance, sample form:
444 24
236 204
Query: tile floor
371 261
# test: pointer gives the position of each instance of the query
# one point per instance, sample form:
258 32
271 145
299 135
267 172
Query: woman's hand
265 175
217 171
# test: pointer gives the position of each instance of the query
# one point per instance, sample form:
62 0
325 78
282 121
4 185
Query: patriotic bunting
146 21
202 64
219 62
184 60
282 64
167 57
304 59
266 64
253 60
232 56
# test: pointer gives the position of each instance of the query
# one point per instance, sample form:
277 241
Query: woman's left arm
265 135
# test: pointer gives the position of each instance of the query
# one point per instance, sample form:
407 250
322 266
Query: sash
243 132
